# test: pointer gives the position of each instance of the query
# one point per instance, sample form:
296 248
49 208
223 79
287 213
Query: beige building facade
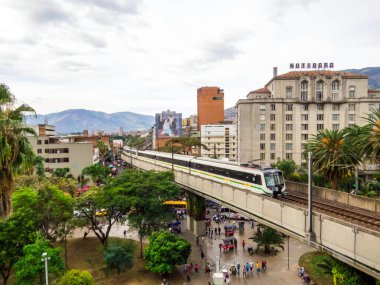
60 154
275 122
221 141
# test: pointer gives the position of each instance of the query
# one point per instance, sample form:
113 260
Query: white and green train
268 181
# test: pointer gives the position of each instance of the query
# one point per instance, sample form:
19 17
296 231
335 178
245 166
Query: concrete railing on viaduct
337 196
352 244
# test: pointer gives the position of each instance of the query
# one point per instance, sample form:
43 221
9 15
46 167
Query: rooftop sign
313 65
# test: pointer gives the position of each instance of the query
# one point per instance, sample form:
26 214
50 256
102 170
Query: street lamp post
45 259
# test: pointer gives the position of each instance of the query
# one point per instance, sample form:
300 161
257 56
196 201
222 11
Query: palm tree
62 172
97 172
15 150
333 154
103 151
267 238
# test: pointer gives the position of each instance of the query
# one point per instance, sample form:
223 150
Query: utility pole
356 180
288 251
310 200
172 159
45 259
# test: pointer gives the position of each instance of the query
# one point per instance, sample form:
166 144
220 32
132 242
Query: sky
146 56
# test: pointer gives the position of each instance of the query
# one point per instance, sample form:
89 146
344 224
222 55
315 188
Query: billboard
168 124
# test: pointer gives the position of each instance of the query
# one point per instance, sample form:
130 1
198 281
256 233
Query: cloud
75 66
279 8
94 41
131 7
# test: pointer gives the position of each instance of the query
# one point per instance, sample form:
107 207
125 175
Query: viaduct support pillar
196 210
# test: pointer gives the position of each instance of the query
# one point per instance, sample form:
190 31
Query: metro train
266 180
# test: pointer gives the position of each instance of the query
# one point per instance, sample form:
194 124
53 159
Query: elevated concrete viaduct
355 245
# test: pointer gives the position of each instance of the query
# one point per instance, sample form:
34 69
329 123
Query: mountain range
77 120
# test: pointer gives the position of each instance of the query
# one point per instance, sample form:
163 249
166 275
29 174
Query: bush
119 257
77 277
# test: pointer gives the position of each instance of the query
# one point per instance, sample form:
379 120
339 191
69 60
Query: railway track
361 217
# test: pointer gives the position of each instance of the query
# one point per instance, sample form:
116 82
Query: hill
77 120
373 74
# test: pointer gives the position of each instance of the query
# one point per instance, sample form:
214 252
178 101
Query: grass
309 261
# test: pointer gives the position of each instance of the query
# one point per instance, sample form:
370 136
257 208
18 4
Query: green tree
332 154
62 172
39 165
66 184
368 137
144 194
288 167
136 142
29 268
267 238
182 145
165 250
77 277
102 208
15 149
118 257
103 151
51 209
98 173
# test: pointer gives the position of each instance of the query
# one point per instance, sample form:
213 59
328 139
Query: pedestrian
227 280
206 231
243 244
191 267
197 240
257 267
212 231
186 268
85 234
251 265
203 240
216 231
188 279
235 243
264 265
219 231
238 268
196 268
220 248
253 224
247 267
125 233
202 255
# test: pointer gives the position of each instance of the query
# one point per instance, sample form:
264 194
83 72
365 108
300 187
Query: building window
272 127
351 117
262 107
46 141
289 127
262 117
304 127
39 150
272 137
304 117
272 117
289 137
39 142
335 127
320 127
319 91
335 117
262 137
289 146
351 125
351 107
335 85
335 107
319 117
305 107
262 127
272 156
289 107
304 90
272 146
273 107
351 92
262 156
288 155
371 107
262 146
320 107
289 92
289 117
304 137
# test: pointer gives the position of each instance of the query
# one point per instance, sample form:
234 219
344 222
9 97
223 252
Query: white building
221 141
275 122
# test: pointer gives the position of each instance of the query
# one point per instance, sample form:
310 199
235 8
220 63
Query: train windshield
273 179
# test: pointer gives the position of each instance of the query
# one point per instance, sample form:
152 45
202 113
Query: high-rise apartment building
210 104
220 140
275 122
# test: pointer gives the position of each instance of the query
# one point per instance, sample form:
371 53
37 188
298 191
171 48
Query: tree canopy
98 173
267 238
165 250
15 150
77 277
118 257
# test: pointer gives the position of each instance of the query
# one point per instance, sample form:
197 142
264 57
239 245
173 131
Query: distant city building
275 122
121 131
221 141
168 125
210 105
60 153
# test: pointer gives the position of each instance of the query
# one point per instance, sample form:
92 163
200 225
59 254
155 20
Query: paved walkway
277 265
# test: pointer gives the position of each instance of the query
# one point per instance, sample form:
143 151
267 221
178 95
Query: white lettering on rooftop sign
309 65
